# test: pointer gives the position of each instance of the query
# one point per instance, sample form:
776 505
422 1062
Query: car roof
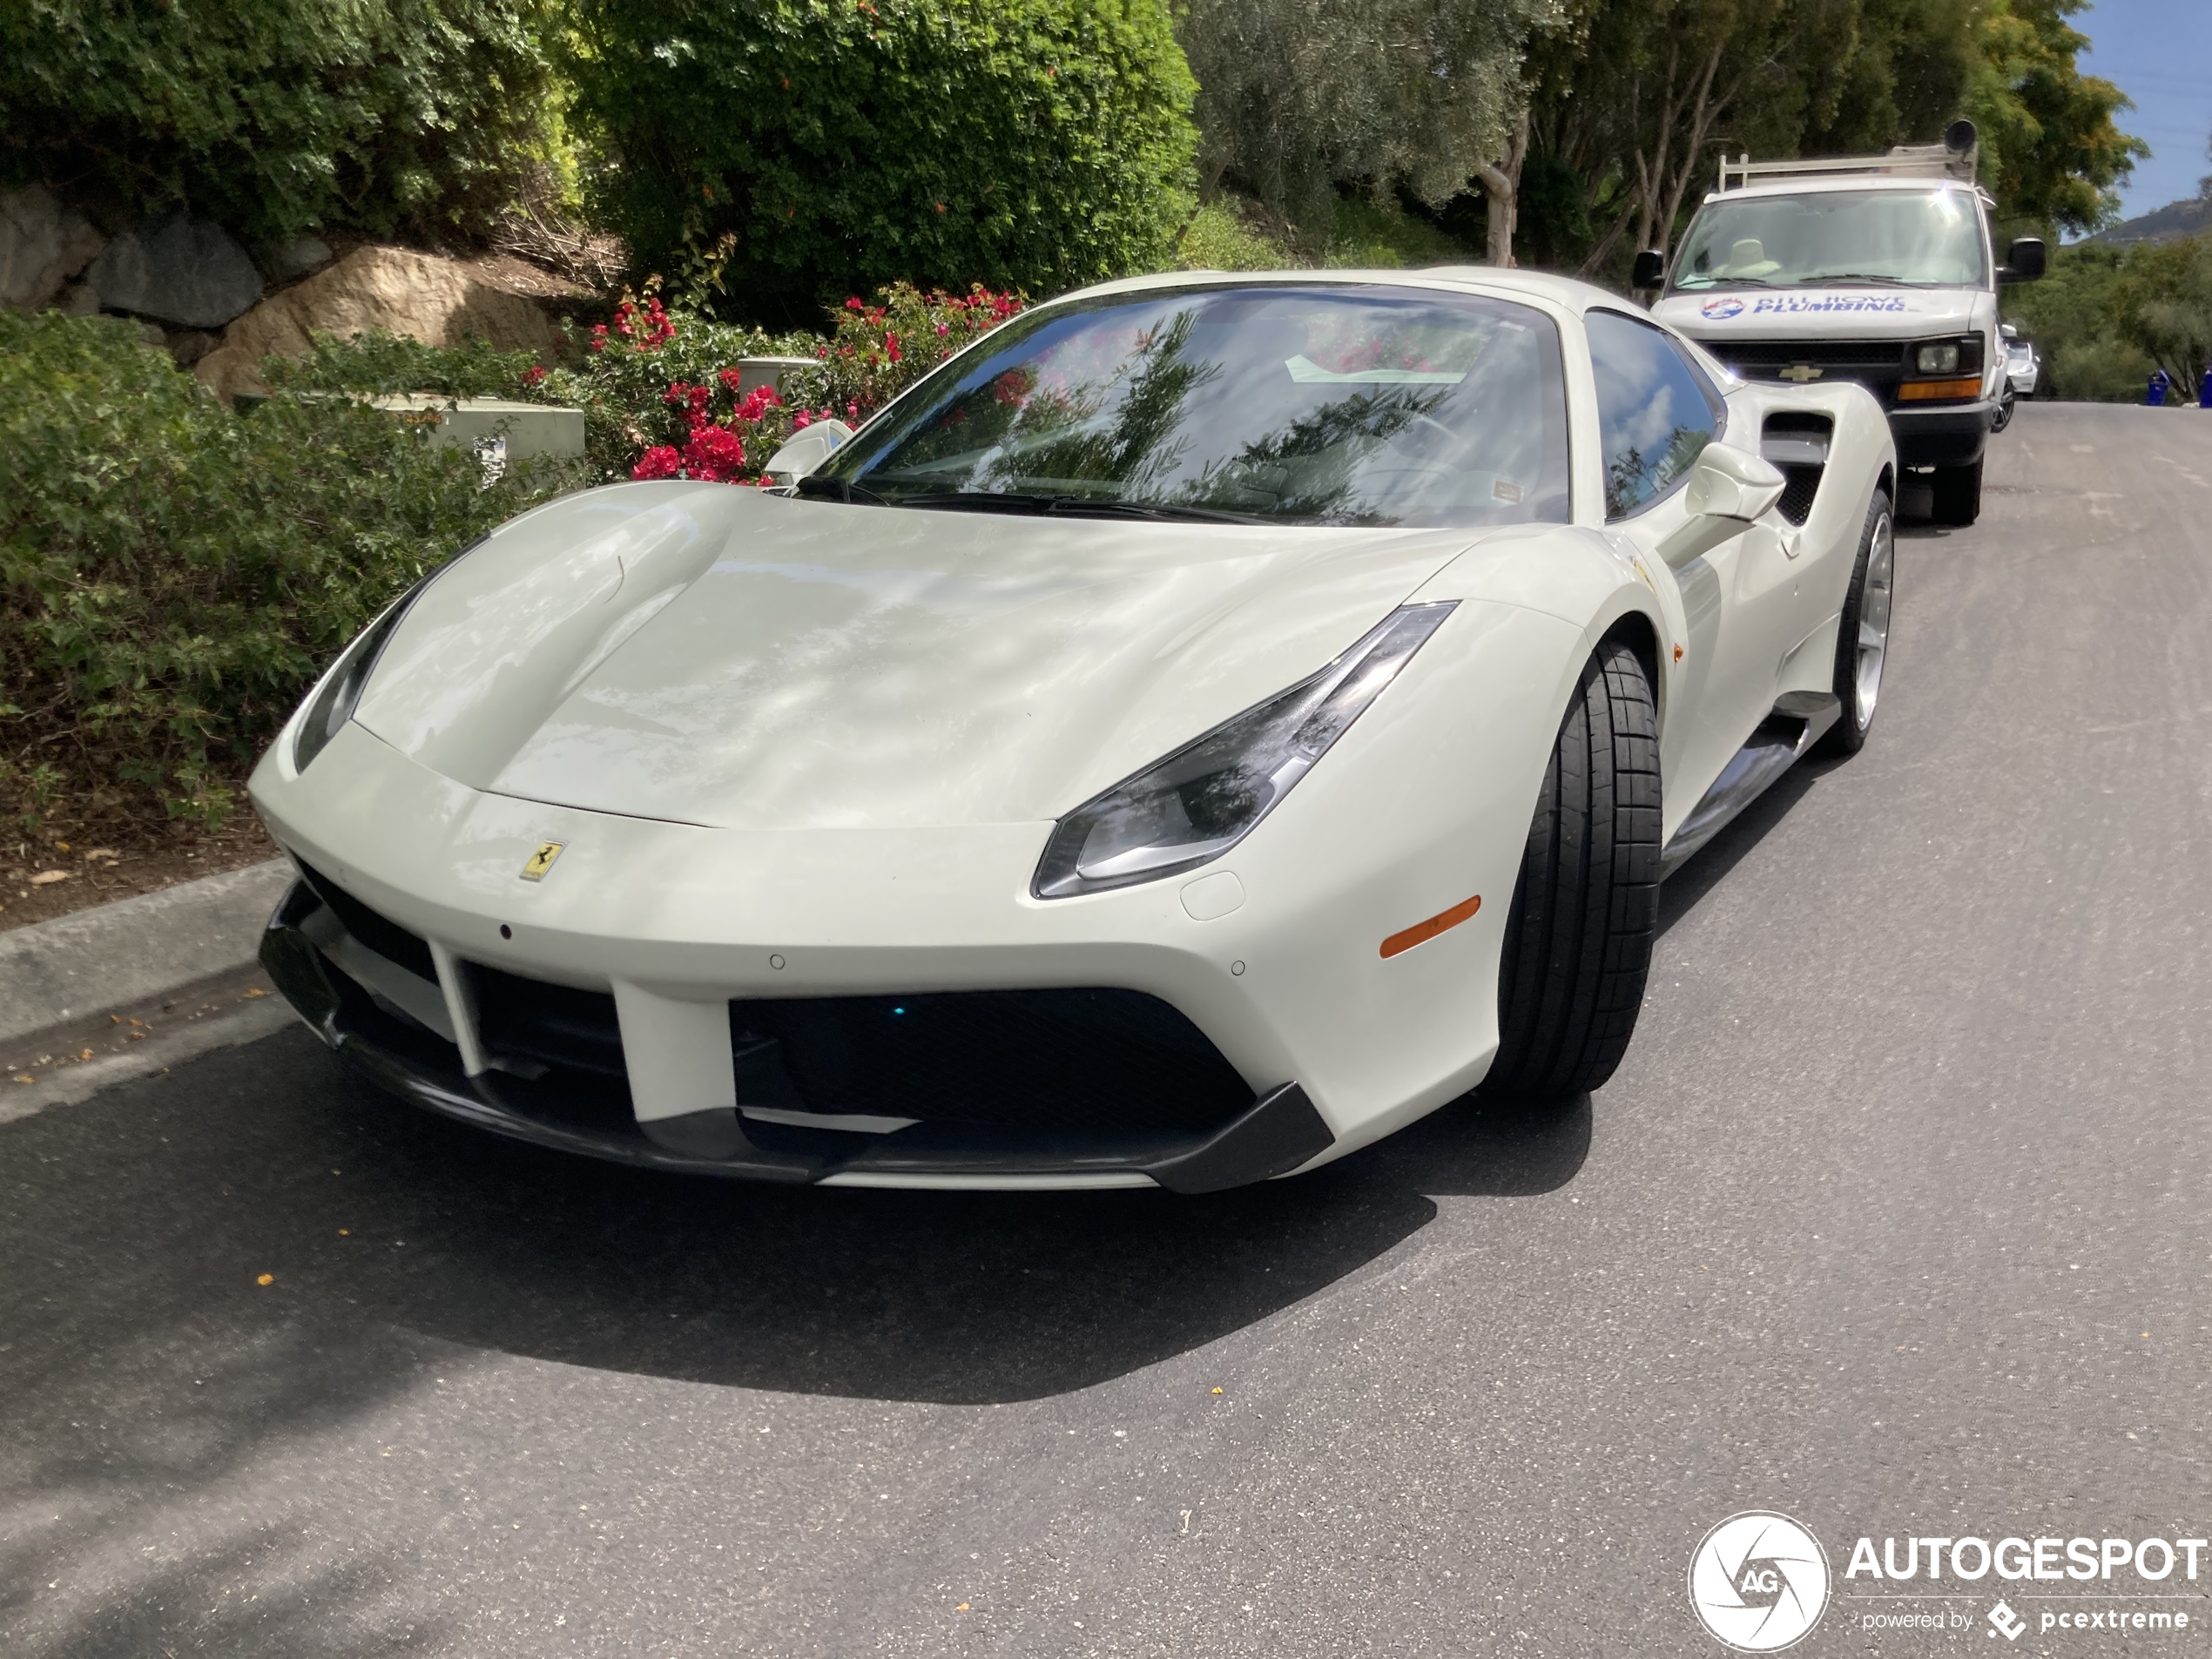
1569 293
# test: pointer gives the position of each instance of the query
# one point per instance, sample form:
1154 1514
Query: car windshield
1904 237
1276 403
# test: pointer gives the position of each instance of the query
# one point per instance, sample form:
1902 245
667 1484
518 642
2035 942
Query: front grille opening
1797 443
556 1026
378 932
1075 1060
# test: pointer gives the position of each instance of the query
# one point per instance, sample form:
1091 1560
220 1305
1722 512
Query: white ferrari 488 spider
1204 726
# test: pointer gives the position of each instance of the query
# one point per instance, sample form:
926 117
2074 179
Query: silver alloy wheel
1874 621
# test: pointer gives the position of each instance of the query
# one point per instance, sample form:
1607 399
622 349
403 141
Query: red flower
714 453
659 461
854 303
533 375
732 378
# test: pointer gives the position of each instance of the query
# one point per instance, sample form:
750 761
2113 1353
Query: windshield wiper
992 501
817 487
1851 276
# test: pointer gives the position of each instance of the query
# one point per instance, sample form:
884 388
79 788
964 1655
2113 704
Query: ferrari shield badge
542 860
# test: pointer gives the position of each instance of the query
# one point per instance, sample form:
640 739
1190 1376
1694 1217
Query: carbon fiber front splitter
1277 1133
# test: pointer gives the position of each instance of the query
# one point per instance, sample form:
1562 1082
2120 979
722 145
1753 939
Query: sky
2160 53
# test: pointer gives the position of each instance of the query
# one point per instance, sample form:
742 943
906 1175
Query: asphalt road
1894 1220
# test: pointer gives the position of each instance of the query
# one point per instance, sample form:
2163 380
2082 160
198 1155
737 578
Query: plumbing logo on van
1722 309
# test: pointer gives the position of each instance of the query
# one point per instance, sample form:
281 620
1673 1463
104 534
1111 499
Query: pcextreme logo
1758 1582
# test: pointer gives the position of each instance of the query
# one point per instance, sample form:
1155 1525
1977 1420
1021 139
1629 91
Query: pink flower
854 303
941 329
659 461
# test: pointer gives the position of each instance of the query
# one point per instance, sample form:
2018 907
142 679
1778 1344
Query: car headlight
1940 359
1206 796
340 691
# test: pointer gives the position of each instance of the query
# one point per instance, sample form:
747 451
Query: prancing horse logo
542 860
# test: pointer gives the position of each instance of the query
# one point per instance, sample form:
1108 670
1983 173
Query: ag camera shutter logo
1758 1582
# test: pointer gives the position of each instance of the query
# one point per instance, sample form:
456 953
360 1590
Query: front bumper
1944 437
368 1026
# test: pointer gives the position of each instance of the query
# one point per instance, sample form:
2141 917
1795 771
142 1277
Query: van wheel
1958 495
1578 939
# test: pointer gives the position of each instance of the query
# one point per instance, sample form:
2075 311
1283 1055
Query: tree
2050 151
1028 143
271 116
2162 306
1298 98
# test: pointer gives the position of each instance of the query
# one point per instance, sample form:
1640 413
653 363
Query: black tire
2003 417
1958 495
1578 939
1876 565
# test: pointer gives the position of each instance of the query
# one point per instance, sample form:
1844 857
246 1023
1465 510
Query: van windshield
1896 238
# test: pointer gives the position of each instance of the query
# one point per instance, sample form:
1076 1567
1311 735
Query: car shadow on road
924 1296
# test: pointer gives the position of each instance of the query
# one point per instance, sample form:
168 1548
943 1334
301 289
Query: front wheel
1578 939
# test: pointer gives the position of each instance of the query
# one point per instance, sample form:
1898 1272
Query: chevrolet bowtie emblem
542 860
1801 373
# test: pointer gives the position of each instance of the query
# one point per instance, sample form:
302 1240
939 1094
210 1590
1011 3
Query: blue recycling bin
2204 388
2159 382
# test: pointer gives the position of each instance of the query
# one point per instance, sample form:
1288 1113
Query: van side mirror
1728 488
1650 270
2024 261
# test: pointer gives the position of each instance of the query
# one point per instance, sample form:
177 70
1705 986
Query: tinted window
1293 404
1655 412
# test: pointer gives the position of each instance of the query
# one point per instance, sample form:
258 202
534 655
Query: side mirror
2024 261
1728 488
1729 482
1650 270
808 448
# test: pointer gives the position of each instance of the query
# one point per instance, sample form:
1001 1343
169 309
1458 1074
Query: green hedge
173 575
272 116
842 144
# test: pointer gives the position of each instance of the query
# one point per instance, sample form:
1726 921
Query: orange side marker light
1421 932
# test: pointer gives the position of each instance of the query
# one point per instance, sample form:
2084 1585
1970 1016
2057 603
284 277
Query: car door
1741 601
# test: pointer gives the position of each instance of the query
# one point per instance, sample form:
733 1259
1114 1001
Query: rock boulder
178 270
42 244
438 300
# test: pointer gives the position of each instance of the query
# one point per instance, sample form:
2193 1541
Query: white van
1876 269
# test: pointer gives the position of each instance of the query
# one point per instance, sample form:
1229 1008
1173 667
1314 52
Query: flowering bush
664 398
661 390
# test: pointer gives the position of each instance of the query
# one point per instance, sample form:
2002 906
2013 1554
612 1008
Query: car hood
1817 314
717 656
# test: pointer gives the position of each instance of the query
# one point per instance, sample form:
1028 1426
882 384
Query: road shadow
257 1157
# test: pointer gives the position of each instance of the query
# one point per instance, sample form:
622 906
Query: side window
1655 411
